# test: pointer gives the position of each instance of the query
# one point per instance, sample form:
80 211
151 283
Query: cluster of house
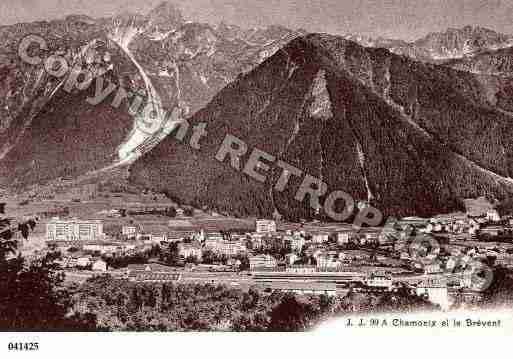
214 242
469 227
89 254
318 250
327 250
83 243
268 248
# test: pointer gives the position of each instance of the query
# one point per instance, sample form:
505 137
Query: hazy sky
405 19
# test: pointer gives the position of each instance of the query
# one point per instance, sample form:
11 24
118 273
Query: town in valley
163 242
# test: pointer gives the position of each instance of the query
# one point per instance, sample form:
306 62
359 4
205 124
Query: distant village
309 258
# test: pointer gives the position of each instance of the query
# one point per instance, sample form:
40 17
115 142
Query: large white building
343 238
74 230
228 248
493 215
129 231
262 261
296 243
328 262
265 226
320 237
187 250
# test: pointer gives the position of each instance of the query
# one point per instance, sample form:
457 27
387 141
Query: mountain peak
460 42
467 30
166 15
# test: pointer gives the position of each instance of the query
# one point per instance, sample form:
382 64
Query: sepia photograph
320 172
